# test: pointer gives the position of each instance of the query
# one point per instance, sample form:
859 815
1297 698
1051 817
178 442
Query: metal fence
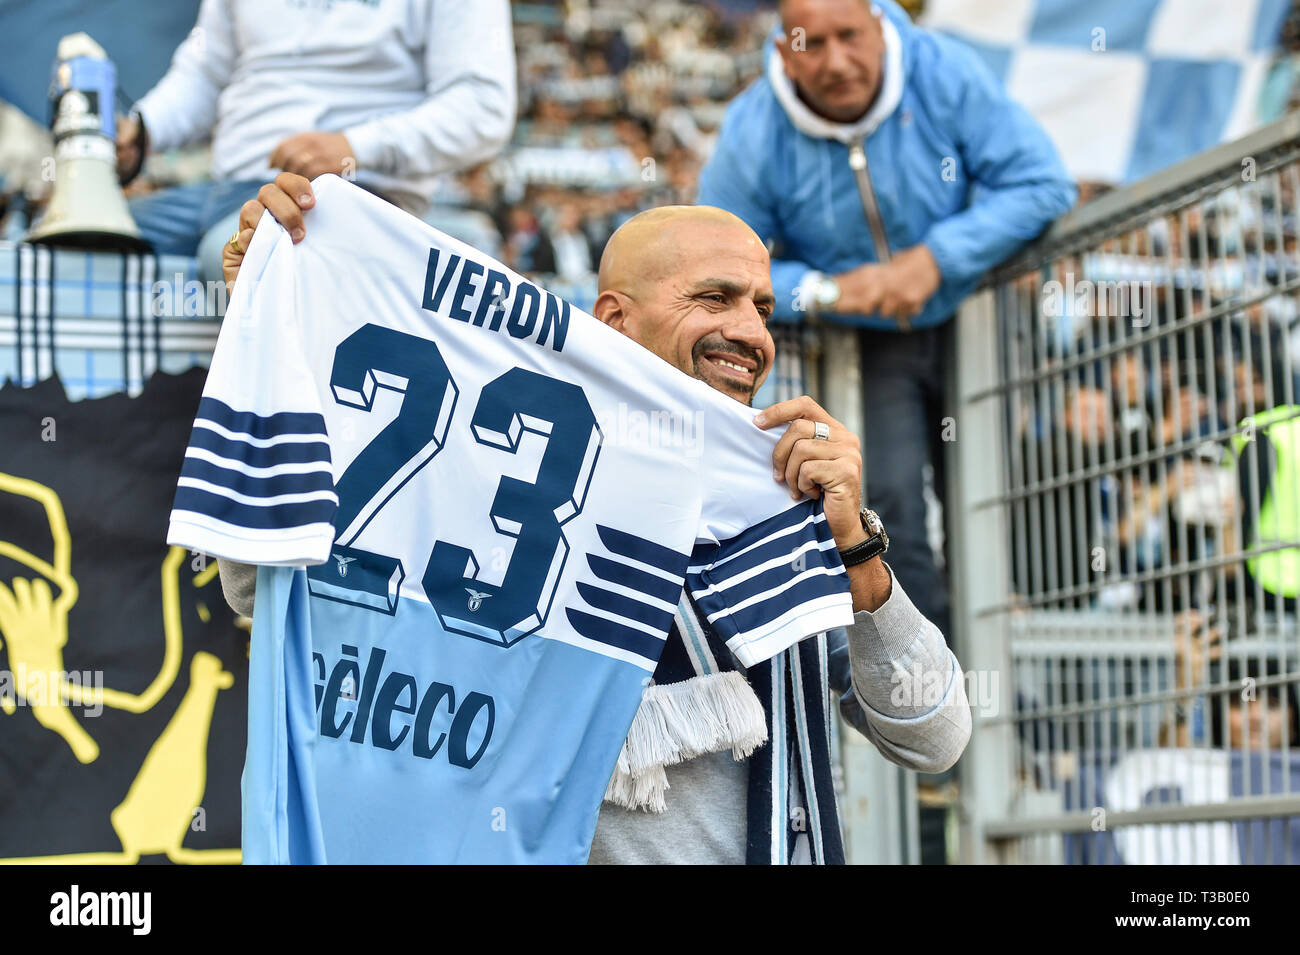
1127 544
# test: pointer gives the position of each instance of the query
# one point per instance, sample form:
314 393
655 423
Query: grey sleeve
906 691
239 584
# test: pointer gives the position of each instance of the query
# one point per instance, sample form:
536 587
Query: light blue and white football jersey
476 508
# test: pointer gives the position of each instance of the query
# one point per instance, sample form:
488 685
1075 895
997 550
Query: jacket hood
809 123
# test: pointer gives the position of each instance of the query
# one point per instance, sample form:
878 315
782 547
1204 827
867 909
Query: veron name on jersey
464 290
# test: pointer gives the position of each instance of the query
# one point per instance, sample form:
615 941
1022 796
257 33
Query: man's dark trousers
903 379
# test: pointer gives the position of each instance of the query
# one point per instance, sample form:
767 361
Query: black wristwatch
876 543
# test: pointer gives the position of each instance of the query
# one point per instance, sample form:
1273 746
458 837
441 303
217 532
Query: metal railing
1127 534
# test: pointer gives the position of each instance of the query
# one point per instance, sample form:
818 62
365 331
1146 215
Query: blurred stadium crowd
619 106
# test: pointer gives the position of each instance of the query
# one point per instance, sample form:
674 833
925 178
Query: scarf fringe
679 721
639 792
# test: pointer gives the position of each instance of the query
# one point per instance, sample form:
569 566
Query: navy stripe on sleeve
241 483
783 572
757 617
260 426
295 452
805 518
292 443
761 615
715 566
259 516
782 548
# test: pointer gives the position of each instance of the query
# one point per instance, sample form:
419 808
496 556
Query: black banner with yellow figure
123 677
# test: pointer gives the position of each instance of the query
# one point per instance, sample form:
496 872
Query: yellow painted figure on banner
36 595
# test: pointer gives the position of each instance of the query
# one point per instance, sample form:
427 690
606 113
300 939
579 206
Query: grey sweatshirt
901 687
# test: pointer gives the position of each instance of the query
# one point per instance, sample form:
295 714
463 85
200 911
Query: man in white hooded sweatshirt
390 95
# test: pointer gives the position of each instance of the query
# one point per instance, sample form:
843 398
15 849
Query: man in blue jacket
890 170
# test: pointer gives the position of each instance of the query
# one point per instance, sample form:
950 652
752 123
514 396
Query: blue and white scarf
777 715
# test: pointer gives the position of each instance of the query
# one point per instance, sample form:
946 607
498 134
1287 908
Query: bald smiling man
693 285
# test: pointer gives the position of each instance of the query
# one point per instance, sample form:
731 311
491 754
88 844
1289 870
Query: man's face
834 51
1087 414
708 314
569 218
1264 727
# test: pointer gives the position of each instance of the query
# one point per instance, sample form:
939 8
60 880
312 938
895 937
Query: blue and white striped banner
104 323
1125 87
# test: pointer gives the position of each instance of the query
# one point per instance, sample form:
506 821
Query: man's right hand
897 289
286 199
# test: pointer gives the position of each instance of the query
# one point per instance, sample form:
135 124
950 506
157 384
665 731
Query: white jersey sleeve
764 570
256 485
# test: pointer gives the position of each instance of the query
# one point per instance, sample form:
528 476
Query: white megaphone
87 209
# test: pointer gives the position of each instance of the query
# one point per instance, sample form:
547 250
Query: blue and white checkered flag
1125 87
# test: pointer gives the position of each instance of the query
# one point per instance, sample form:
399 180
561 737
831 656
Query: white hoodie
419 87
887 100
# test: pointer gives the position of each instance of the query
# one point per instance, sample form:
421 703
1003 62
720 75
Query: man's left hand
829 469
314 154
898 289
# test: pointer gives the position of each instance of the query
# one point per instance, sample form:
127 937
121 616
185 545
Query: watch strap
861 553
